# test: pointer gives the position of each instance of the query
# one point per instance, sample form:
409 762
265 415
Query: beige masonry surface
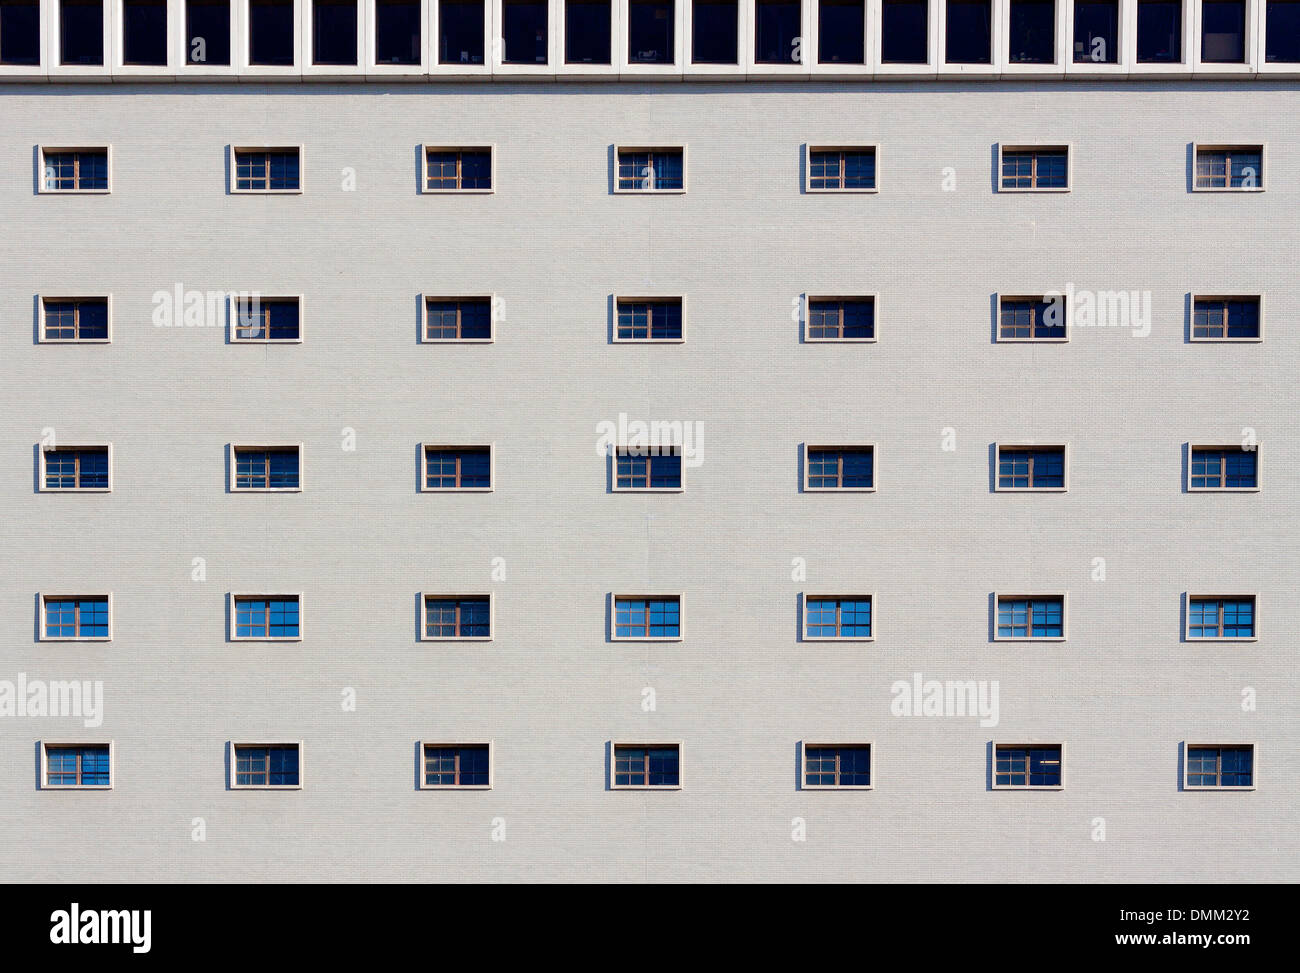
551 540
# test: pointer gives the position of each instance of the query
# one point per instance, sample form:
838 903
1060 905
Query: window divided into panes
76 468
1035 168
1032 318
457 170
1031 467
1223 468
647 617
648 470
74 170
78 765
1230 167
840 467
1220 766
267 468
273 765
267 170
837 617
1031 617
651 765
463 617
852 168
841 319
846 765
1027 766
1221 617
267 617
458 765
75 617
651 170
457 467
1226 318
458 319
649 319
74 319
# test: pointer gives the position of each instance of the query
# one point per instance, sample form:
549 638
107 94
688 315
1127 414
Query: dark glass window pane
20 32
93 321
1033 32
904 26
144 32
587 31
1223 31
1096 31
81 32
713 32
1282 32
397 31
270 32
207 31
523 32
334 32
460 32
650 32
1159 31
969 32
665 471
776 29
841 37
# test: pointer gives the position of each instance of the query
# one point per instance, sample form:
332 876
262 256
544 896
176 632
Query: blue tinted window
262 618
452 469
1218 469
1220 766
776 32
714 32
460 32
270 32
144 32
207 22
1032 32
841 35
848 766
1282 32
650 32
275 766
334 31
649 320
1028 767
969 35
1020 618
81 31
1096 31
587 31
523 31
20 32
397 31
640 618
1223 31
86 766
904 31
456 766
1159 31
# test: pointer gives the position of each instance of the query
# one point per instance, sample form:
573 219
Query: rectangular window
1214 765
649 319
69 766
648 470
841 32
1032 318
266 618
904 31
266 765
1230 167
73 319
715 31
270 32
776 31
650 32
1223 31
1027 766
1226 319
458 319
1031 617
837 617
523 31
397 32
460 32
20 32
207 32
1220 617
268 319
456 617
463 765
74 170
1096 31
457 170
829 765
457 468
74 618
81 32
847 169
647 618
1032 32
651 170
841 319
647 765
1034 167
1282 32
839 468
266 468
587 32
144 32
1160 31
269 170
333 32
1223 468
76 468
1031 467
969 35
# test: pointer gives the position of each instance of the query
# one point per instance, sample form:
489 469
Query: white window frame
643 297
1253 52
1062 42
436 595
1189 44
814 596
183 67
233 597
234 449
682 147
997 40
875 467
437 69
369 32
810 147
1019 146
427 147
439 742
241 48
805 745
1192 596
40 325
45 765
1259 468
428 296
424 467
1124 29
52 42
1228 147
620 449
934 42
234 745
993 776
232 325
175 26
42 488
494 49
872 296
233 180
1015 595
691 70
614 596
997 466
1254 766
41 630
749 45
613 764
42 150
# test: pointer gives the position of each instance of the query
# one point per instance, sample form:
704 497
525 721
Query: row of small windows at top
647 765
450 617
651 31
839 467
649 169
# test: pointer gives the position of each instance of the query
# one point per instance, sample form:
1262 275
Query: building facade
569 442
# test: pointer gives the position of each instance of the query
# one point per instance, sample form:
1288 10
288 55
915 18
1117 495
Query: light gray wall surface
1123 693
